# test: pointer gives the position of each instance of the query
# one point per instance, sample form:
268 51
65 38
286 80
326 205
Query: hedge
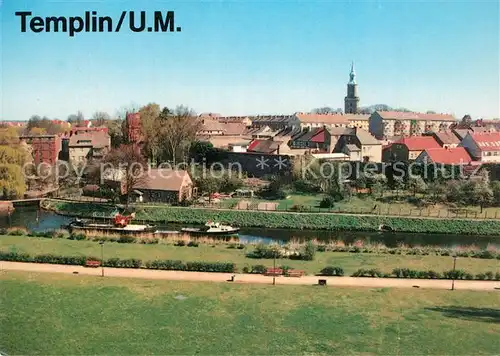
332 271
415 274
121 263
288 220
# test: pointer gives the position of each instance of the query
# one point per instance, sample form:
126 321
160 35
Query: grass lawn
65 314
220 253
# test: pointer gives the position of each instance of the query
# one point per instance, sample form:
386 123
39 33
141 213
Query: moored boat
212 228
121 225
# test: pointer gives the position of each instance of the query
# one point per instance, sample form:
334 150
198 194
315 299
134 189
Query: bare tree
99 118
127 165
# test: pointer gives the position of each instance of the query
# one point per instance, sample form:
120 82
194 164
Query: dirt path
250 278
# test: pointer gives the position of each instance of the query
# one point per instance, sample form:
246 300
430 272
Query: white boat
212 228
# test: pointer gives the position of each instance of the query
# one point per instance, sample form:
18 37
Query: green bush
265 251
193 244
309 251
367 273
258 269
180 243
126 239
15 257
327 202
332 271
78 237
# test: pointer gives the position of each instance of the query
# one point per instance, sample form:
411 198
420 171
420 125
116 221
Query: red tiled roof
415 116
338 119
487 141
319 137
419 143
263 146
457 155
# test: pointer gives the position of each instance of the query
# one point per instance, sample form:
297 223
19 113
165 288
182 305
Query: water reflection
32 219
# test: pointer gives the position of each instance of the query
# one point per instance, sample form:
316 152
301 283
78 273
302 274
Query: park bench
274 272
92 263
295 273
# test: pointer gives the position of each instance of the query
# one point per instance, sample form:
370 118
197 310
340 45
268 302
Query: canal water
39 220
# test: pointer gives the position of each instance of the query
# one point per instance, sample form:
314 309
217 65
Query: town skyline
448 66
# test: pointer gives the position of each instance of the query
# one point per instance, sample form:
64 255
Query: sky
255 57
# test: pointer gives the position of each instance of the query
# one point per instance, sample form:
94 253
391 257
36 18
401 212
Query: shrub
258 269
265 251
245 269
285 268
241 247
166 265
299 208
193 244
367 273
332 271
327 202
77 237
497 276
15 256
3 231
180 243
489 275
486 254
309 251
126 239
321 248
454 274
210 267
433 274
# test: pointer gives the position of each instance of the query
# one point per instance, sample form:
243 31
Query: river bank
283 220
349 261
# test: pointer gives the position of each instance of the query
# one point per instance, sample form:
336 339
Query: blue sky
250 57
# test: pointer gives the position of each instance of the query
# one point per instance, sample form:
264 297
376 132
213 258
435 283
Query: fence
394 210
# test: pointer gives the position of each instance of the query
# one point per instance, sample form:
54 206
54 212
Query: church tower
351 100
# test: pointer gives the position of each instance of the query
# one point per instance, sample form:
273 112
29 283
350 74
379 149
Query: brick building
43 148
134 127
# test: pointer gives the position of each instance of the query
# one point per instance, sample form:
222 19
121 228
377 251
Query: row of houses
77 145
470 146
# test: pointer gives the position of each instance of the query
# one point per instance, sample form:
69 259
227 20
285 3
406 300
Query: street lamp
102 257
453 277
274 268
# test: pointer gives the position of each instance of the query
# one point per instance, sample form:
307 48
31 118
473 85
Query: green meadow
350 262
70 314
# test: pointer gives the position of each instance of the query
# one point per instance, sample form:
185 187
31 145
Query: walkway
251 278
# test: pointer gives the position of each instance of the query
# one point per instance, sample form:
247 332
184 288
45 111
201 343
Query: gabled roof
457 155
263 146
163 179
447 137
319 136
96 139
419 143
487 141
402 115
365 138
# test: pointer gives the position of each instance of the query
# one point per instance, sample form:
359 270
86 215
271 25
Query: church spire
351 100
352 75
